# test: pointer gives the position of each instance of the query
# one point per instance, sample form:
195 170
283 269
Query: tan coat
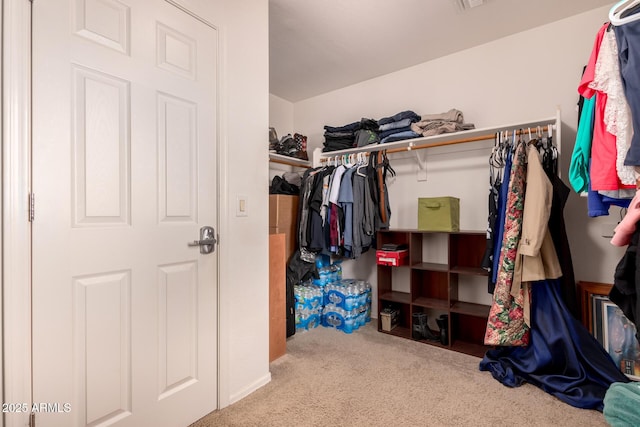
537 258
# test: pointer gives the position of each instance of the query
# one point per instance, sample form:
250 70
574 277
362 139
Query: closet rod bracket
421 160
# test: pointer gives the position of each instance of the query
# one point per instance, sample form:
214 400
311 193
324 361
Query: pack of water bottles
347 305
344 304
308 306
348 294
343 320
329 272
308 319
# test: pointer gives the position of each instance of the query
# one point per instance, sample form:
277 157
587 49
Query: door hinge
32 420
32 207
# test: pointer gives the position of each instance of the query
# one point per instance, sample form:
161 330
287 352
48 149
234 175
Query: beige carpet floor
329 378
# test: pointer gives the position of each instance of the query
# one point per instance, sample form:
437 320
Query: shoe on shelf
443 324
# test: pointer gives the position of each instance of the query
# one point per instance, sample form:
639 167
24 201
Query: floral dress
506 325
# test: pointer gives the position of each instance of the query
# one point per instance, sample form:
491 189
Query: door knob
207 240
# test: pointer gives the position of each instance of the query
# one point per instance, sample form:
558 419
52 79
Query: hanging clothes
561 242
381 167
502 199
345 201
579 167
537 258
343 205
617 115
555 352
603 174
496 165
363 212
506 325
628 42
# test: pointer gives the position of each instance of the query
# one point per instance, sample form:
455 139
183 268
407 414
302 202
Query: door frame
15 231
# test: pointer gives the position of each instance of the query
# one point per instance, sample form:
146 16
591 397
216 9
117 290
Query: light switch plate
242 206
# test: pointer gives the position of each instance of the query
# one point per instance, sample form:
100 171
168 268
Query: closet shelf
290 161
480 134
431 266
396 296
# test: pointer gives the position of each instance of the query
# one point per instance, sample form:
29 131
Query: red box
392 258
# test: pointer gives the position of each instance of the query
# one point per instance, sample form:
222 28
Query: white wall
247 240
280 118
244 102
281 115
518 78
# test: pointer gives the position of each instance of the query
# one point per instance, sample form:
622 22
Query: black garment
316 232
351 127
298 270
281 186
303 207
487 259
626 282
558 233
351 135
581 99
338 144
377 175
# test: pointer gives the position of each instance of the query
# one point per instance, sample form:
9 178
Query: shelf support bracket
421 160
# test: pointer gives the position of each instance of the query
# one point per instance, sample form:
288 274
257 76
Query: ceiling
317 46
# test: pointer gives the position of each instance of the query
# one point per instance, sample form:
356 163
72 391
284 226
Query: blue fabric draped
502 201
563 358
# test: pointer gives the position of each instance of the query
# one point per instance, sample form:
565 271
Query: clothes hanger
495 160
497 153
615 13
363 163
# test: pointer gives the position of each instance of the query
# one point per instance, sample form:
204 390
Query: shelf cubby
434 285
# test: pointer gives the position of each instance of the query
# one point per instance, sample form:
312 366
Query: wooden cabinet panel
277 296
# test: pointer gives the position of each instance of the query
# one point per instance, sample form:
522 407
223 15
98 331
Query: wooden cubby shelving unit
433 287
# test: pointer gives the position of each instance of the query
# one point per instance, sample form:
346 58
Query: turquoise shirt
579 167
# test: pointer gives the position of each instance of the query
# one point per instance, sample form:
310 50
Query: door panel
177 166
124 155
101 148
103 345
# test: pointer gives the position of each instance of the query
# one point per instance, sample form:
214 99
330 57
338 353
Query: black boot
421 329
419 324
443 324
430 335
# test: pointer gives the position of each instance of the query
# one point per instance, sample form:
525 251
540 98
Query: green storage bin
439 214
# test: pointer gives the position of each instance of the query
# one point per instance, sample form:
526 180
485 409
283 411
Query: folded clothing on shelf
400 126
